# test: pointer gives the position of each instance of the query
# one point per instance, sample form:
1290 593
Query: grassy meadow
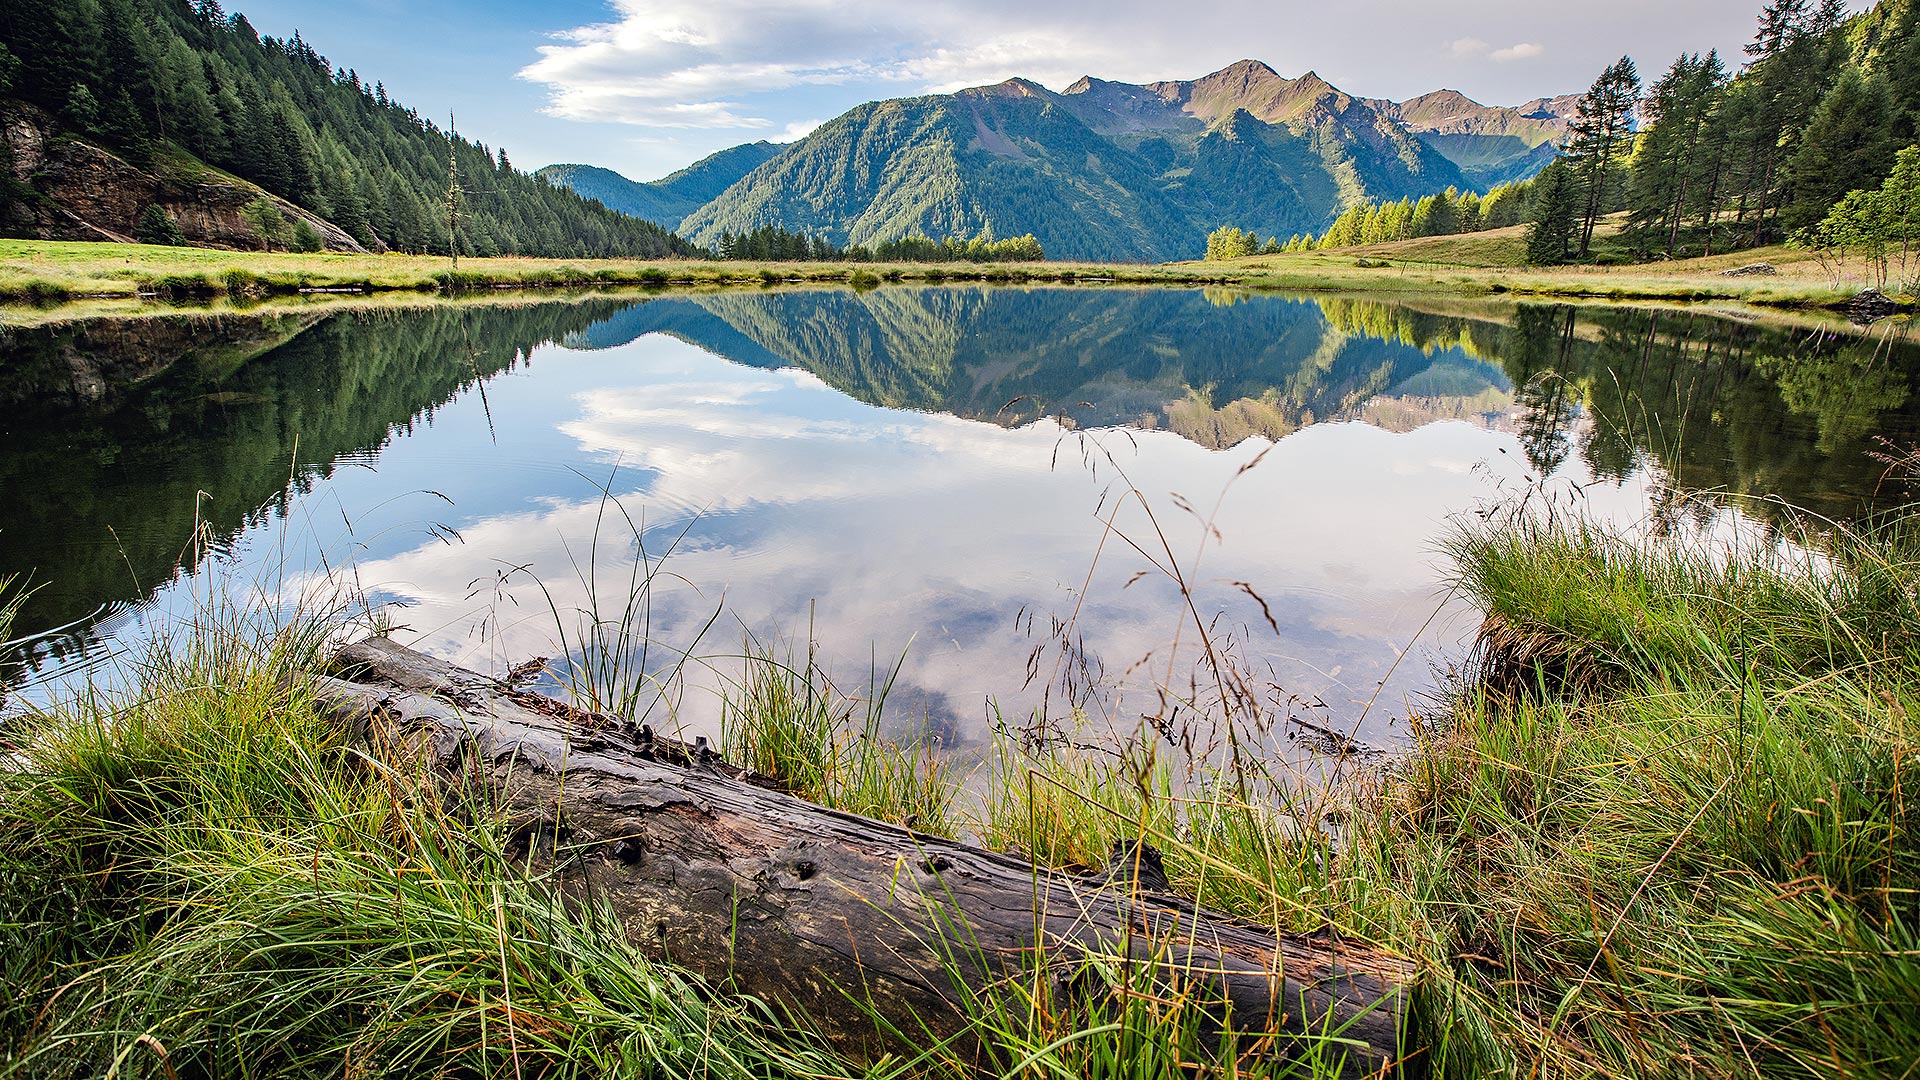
1494 262
51 271
35 274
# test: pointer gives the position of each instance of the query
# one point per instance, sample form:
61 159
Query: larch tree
1666 178
1599 138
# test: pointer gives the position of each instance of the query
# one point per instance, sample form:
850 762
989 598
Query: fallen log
841 917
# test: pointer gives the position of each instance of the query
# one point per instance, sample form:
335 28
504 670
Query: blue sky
646 86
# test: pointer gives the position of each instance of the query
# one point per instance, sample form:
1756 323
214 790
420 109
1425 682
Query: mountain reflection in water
908 465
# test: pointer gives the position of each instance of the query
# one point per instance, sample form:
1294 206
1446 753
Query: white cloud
688 62
765 65
797 130
1525 50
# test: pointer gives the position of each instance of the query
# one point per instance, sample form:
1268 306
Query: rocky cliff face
83 192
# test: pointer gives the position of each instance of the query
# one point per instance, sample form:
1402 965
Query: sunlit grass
786 720
41 272
1664 829
207 872
50 270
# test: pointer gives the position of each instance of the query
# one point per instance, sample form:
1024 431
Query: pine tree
1504 206
1434 216
134 75
1229 242
1796 55
1347 229
1780 23
1467 209
158 227
1671 163
1897 67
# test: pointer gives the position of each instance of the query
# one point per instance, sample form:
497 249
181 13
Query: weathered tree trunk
827 911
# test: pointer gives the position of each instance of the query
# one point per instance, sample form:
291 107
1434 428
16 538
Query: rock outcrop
83 192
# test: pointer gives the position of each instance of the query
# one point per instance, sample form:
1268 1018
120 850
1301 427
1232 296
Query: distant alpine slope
1100 170
1491 144
669 200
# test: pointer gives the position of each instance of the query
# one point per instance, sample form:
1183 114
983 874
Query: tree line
1720 159
144 77
771 243
1444 213
1706 159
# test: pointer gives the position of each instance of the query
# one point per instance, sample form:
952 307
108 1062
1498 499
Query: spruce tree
1845 147
1556 214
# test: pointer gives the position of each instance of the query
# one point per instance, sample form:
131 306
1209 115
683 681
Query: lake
1024 497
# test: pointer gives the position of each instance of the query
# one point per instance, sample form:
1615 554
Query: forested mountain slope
669 200
1100 170
118 117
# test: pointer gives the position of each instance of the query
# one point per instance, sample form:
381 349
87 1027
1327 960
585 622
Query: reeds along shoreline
1665 829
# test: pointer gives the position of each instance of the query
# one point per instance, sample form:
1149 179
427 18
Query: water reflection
825 455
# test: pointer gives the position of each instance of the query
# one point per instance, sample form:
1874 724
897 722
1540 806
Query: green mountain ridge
669 200
1099 170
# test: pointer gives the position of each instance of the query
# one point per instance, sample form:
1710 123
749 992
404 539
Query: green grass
207 879
36 272
48 270
1668 832
1492 262
1663 828
792 724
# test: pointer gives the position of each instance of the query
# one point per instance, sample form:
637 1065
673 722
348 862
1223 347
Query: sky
648 86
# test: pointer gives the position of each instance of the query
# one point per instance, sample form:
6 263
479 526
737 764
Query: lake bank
858 449
1661 815
52 273
1666 817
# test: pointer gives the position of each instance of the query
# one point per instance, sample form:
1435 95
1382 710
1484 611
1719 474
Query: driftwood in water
755 889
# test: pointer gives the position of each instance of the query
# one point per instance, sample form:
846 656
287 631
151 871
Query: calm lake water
939 472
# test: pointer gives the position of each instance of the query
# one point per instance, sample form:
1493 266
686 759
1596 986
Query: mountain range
1100 170
1491 144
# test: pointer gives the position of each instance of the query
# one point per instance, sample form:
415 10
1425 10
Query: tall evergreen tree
1557 207
1670 169
134 74
1896 66
1845 147
1796 53
1599 137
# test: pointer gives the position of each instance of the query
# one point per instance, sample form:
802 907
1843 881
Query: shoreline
1621 762
40 278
